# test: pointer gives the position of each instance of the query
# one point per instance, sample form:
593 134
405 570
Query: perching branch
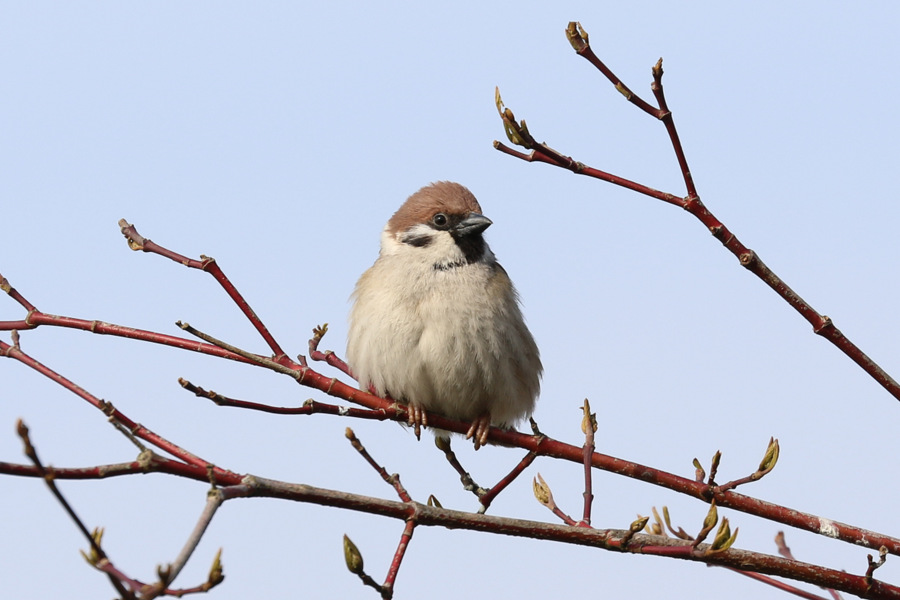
539 445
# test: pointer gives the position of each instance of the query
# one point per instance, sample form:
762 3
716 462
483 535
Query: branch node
623 89
873 565
824 324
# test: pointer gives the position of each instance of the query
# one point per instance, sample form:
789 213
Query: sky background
279 137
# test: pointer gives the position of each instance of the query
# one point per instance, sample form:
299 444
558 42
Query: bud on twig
589 419
699 471
724 538
216 574
714 466
93 558
516 132
638 525
577 36
542 491
352 556
770 459
635 527
712 517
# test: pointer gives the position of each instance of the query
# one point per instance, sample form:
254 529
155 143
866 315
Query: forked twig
387 588
328 356
207 265
518 134
488 497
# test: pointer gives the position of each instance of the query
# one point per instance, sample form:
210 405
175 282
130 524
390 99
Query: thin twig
785 551
392 480
214 499
488 497
328 356
309 407
48 476
781 585
387 588
588 426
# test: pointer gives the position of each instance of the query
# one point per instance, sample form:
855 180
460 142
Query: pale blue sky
279 137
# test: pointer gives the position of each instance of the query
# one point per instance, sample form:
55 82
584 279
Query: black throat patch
472 247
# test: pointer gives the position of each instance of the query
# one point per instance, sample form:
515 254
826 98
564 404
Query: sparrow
436 322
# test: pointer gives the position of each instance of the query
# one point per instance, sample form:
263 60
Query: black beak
472 225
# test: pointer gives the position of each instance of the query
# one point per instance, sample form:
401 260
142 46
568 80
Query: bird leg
417 418
478 432
469 484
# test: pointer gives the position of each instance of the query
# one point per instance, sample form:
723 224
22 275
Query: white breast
450 340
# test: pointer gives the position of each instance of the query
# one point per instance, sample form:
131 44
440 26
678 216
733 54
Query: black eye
439 219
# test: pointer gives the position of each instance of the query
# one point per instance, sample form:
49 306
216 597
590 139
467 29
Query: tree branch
519 135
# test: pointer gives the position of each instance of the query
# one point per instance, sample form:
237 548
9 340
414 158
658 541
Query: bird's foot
417 418
478 431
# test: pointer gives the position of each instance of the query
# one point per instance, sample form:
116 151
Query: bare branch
518 134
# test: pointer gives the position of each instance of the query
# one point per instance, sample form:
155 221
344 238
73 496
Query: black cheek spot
419 241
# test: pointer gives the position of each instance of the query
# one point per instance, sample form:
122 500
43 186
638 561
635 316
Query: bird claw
478 431
417 418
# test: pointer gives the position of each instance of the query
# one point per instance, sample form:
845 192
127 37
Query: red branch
36 318
250 486
207 265
543 446
600 538
486 498
540 445
405 537
518 133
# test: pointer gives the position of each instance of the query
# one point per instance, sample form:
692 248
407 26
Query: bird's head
442 222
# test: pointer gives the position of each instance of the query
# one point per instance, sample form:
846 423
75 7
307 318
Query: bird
436 322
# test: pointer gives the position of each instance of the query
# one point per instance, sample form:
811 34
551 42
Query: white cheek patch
418 236
428 246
